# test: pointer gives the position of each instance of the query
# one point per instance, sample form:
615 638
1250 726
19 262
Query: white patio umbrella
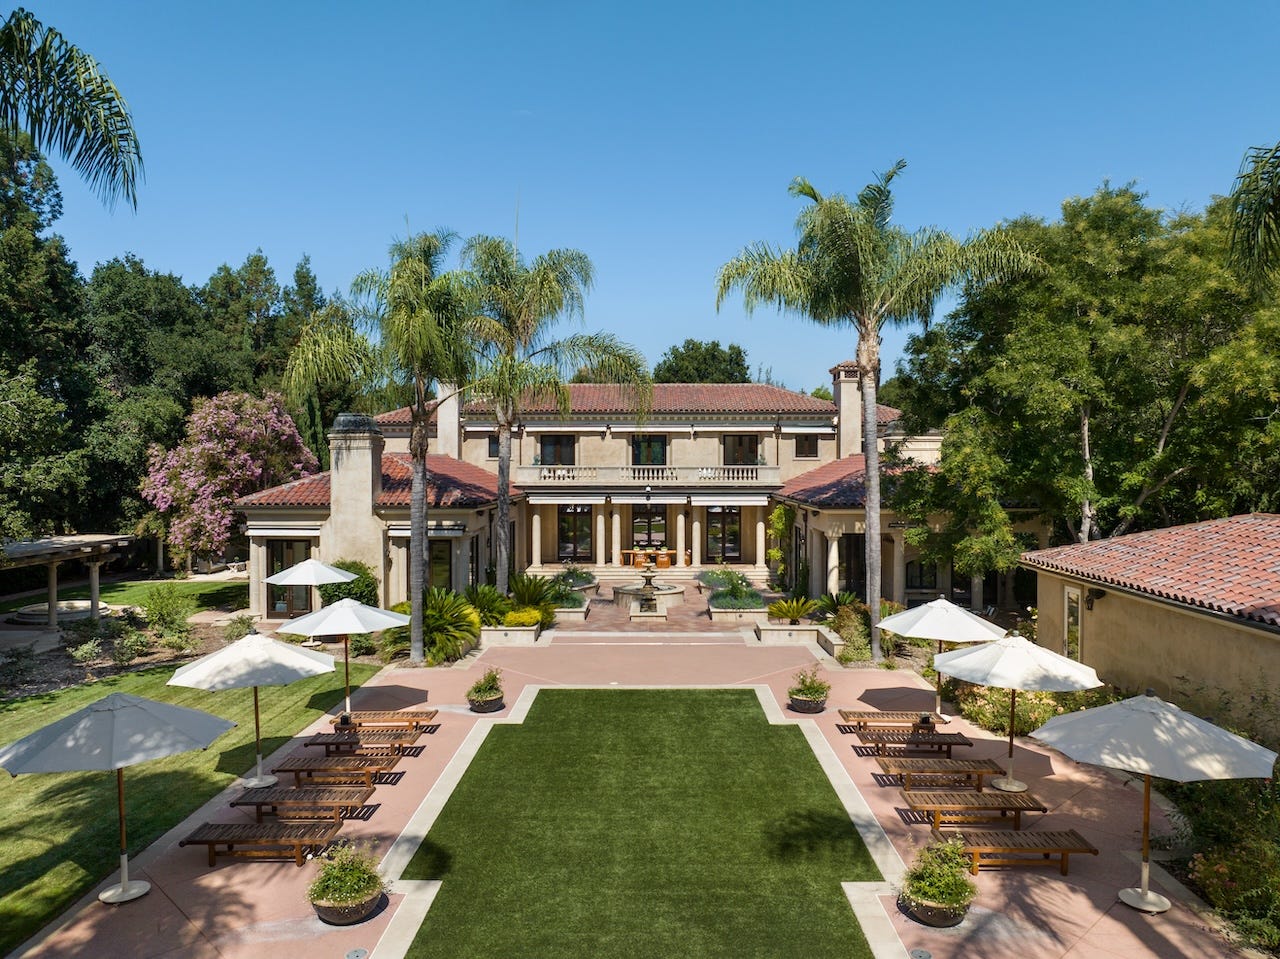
1149 736
117 731
310 572
1013 662
253 661
944 621
343 618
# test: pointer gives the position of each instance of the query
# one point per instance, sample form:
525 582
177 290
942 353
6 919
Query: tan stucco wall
1136 643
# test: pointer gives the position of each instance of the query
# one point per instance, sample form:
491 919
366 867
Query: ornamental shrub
792 610
488 602
940 874
348 874
736 599
363 589
523 616
167 609
129 646
1243 883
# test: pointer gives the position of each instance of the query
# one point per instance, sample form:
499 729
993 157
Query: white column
462 568
679 537
975 594
697 535
535 534
760 540
53 595
615 546
599 511
94 566
833 563
257 572
899 567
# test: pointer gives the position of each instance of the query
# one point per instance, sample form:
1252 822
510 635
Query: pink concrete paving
256 910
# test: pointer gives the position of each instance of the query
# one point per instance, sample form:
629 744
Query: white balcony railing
647 475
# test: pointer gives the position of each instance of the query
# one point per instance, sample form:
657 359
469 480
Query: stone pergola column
833 563
94 566
53 595
697 535
679 537
599 511
535 535
615 545
975 594
760 540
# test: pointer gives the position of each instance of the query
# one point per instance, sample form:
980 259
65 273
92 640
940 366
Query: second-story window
493 446
806 446
648 450
741 450
557 450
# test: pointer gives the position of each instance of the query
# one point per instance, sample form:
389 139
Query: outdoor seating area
1031 848
882 740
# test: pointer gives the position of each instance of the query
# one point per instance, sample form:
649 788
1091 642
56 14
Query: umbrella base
125 891
256 782
1144 901
1005 784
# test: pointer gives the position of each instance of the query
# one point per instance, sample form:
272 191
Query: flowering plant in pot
809 692
485 694
936 889
348 887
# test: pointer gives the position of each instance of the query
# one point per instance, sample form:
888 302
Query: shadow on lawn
801 835
431 861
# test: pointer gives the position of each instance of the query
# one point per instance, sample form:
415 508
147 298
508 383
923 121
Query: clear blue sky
657 137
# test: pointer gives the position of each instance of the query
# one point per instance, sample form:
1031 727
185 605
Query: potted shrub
936 889
348 887
485 694
809 694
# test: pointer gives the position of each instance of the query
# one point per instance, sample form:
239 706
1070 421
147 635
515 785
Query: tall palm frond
1255 226
59 96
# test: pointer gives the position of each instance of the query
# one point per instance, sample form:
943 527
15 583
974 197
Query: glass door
292 601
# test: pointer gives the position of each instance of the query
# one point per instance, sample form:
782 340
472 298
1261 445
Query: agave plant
535 592
830 604
450 626
489 603
792 610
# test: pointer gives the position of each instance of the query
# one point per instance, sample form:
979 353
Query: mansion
689 485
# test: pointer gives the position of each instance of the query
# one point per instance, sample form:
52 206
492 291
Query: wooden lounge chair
930 773
878 718
336 768
365 741
305 802
939 742
1031 848
386 718
965 806
251 840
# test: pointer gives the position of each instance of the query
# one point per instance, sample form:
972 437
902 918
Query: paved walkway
257 910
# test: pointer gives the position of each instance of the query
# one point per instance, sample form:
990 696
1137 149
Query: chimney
846 390
448 423
354 530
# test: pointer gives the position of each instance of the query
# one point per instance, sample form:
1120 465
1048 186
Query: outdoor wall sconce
1091 595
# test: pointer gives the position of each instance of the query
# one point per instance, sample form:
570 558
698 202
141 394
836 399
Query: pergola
93 549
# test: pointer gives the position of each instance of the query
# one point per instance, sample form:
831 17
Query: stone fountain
647 599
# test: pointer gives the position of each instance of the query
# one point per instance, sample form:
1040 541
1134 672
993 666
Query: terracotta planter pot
486 705
801 705
347 913
936 914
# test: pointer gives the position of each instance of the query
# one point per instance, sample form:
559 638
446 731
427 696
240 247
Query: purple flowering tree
235 444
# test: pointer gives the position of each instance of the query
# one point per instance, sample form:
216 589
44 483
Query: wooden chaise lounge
385 718
967 806
940 742
892 718
365 741
251 840
305 802
1031 848
928 772
336 768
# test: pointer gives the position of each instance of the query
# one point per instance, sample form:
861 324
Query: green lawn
208 594
58 831
639 823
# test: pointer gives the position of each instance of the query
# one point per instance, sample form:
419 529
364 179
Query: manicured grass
59 831
208 593
643 823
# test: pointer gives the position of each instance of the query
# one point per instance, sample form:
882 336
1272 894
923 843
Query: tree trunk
1088 522
502 552
869 367
417 531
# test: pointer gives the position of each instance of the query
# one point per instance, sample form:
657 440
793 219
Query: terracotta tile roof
400 417
1228 565
840 484
453 484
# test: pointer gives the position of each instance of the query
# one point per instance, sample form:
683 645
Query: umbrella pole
124 890
260 779
346 669
1142 897
937 693
1007 782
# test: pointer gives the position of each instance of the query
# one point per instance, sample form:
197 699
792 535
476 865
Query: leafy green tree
700 361
823 392
518 304
29 193
58 95
853 267
245 304
38 471
411 335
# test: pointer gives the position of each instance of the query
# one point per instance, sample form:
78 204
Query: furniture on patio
365 741
966 806
929 772
251 840
894 718
303 802
939 742
336 768
1031 848
385 719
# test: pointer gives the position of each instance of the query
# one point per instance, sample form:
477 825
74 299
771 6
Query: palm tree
852 267
1255 229
412 339
58 95
518 303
